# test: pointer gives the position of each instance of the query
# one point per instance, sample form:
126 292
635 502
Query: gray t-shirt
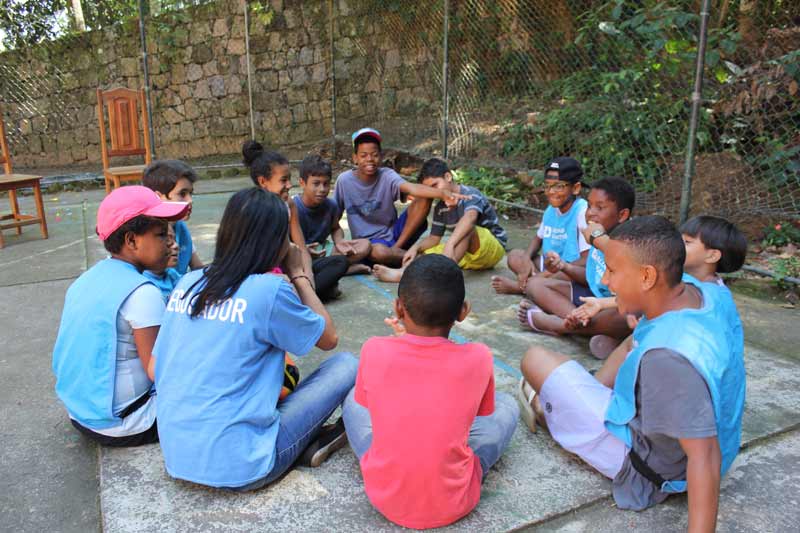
445 219
672 402
369 206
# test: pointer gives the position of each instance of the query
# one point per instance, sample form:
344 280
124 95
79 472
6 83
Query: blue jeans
488 437
305 410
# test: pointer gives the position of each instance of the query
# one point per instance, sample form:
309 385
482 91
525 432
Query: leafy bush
782 234
491 182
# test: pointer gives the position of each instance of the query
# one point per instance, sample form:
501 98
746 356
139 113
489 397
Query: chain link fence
498 87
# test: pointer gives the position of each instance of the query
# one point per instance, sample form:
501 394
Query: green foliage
630 107
491 182
782 234
27 22
785 267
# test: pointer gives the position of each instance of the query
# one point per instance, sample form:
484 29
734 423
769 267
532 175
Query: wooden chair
12 182
123 128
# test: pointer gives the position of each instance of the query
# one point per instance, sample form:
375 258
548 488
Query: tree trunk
77 15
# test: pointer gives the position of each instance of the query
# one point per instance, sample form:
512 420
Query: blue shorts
579 290
397 229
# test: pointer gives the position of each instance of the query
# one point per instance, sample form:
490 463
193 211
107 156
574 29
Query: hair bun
250 151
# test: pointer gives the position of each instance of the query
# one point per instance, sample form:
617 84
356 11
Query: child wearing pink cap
102 355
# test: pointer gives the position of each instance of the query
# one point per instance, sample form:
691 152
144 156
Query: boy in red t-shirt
423 417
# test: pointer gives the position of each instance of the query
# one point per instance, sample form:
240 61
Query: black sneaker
331 438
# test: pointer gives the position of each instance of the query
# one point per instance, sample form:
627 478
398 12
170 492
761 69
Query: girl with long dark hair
270 171
220 357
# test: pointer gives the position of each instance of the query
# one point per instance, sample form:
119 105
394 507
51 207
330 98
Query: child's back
423 394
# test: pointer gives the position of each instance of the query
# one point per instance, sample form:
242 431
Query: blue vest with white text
85 353
595 268
696 335
560 231
723 300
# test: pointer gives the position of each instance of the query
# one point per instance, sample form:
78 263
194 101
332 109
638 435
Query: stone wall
199 84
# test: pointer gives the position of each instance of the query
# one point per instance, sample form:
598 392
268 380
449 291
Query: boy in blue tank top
550 300
672 421
559 232
173 181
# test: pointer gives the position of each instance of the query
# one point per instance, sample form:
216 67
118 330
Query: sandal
533 309
525 395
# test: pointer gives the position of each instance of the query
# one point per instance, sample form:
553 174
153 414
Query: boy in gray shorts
672 421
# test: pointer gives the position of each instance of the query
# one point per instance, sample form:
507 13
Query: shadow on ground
53 479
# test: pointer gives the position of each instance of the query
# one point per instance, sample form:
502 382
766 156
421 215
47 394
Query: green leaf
616 13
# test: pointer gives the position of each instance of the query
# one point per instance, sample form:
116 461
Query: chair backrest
5 156
125 108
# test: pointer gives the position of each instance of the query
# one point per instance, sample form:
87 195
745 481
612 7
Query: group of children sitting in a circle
153 346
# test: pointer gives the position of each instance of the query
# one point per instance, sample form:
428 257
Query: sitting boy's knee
379 253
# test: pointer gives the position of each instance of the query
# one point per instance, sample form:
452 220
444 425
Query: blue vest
723 299
184 240
707 347
595 268
85 353
561 231
164 283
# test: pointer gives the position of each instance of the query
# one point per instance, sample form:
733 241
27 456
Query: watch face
598 233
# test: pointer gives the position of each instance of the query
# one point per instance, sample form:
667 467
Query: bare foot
358 268
389 275
531 317
503 285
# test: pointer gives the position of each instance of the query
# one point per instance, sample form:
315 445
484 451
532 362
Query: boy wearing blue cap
368 193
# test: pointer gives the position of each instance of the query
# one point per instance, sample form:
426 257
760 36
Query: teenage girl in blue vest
220 357
270 171
102 356
672 421
559 232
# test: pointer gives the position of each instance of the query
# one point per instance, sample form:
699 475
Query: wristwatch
599 232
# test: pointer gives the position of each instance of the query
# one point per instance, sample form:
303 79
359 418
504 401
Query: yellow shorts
489 252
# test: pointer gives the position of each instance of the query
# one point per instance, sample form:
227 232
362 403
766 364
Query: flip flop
531 311
525 395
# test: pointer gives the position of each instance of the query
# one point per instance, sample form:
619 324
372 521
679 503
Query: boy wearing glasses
559 232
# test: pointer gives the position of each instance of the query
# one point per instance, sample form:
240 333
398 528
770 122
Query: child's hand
316 250
451 199
410 255
553 262
590 308
396 325
590 227
523 277
345 247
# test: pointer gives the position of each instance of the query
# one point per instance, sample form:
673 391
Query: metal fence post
445 83
332 20
249 70
697 100
146 71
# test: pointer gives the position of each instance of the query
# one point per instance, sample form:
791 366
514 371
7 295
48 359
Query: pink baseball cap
126 203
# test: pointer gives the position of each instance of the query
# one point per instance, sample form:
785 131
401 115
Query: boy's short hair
718 234
163 175
139 225
655 241
618 190
366 135
432 290
314 165
433 168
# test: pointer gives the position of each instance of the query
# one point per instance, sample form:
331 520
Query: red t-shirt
423 394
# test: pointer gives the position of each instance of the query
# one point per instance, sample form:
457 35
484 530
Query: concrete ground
52 479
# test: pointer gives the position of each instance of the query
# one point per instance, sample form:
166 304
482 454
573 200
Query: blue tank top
710 351
560 231
595 268
85 353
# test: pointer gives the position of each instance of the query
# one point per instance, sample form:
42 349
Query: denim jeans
305 410
488 437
